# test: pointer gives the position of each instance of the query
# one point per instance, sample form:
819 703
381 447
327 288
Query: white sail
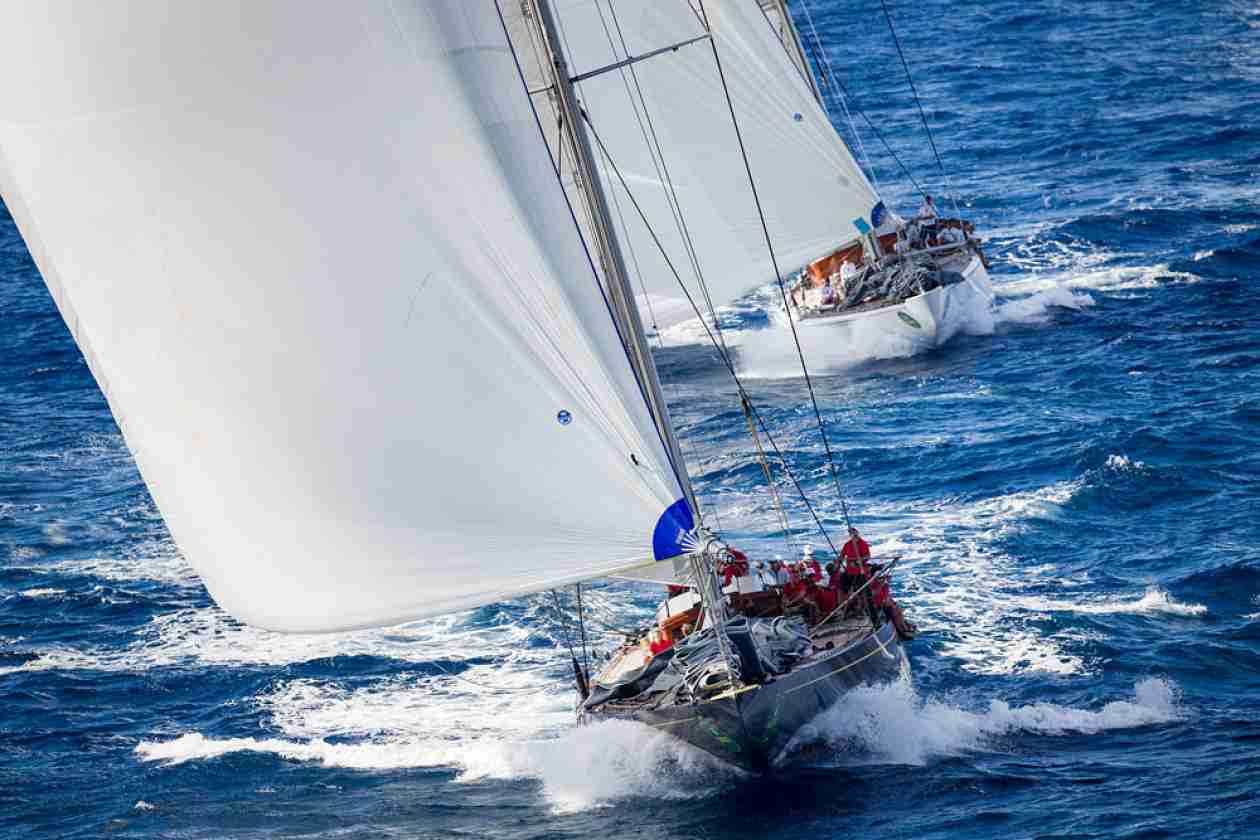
319 262
814 194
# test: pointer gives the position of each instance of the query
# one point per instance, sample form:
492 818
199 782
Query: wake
893 725
595 766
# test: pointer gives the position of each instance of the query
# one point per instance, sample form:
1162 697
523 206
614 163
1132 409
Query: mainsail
666 127
322 268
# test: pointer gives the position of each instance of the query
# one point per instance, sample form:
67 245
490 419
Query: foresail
668 131
320 264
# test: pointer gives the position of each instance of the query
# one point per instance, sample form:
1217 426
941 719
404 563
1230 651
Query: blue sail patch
862 226
672 535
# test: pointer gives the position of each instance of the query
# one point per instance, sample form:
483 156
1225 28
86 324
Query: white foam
582 768
42 592
156 560
892 724
1122 463
206 636
1036 307
954 578
141 805
1154 602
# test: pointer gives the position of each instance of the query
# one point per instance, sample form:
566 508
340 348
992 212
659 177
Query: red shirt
853 550
815 569
879 591
826 599
663 644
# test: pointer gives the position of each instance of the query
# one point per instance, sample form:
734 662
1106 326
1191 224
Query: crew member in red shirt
881 597
794 592
855 553
736 566
811 565
825 600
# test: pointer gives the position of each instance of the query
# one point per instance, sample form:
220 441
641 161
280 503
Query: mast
617 278
787 33
626 314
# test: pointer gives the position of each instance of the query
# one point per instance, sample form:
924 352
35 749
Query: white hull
927 320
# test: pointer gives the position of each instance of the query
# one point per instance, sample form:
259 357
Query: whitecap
1154 601
585 767
1122 463
42 592
891 724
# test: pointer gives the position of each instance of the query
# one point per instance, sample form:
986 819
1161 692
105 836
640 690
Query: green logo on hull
909 319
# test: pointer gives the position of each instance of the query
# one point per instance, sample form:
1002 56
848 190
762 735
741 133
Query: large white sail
320 264
814 194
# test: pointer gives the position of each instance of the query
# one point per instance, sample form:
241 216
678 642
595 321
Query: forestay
319 263
814 194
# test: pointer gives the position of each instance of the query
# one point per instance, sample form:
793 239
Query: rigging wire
919 104
822 428
586 660
874 130
657 154
722 352
623 336
667 181
827 72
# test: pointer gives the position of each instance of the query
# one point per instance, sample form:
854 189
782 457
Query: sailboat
355 285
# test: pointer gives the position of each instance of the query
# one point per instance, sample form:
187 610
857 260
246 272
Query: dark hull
751 727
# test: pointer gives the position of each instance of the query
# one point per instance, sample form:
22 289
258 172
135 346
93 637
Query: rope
827 72
586 660
671 198
662 171
878 135
822 429
887 570
722 352
765 467
919 104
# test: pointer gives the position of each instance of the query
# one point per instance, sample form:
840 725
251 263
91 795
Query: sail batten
326 274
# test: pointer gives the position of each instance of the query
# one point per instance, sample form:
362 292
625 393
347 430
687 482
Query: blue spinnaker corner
673 536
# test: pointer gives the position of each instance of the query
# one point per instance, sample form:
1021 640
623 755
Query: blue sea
1073 485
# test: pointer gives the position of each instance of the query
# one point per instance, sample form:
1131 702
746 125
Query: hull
926 320
751 727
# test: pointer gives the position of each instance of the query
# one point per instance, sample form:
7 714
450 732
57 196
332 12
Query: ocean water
1074 486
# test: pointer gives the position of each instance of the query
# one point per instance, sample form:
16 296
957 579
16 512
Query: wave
1155 601
892 725
1122 463
1036 308
42 592
207 636
586 767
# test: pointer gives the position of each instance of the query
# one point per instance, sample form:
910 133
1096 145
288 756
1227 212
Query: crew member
825 599
855 553
736 566
795 589
827 294
881 598
781 576
927 214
